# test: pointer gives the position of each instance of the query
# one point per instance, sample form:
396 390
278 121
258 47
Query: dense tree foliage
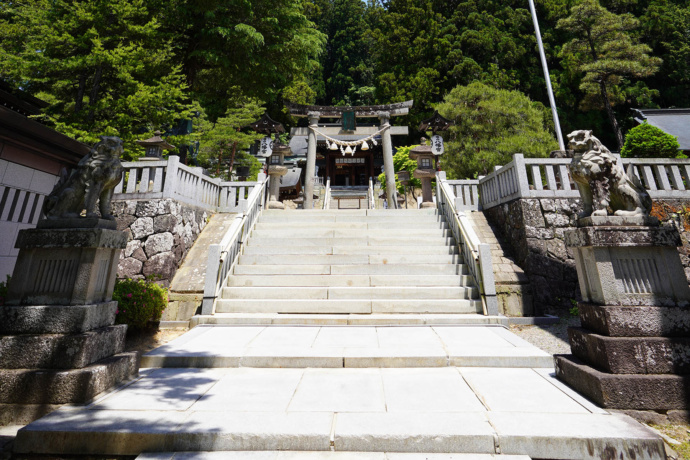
104 67
130 67
490 126
604 51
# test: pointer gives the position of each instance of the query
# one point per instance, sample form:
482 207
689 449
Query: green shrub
647 141
3 290
139 302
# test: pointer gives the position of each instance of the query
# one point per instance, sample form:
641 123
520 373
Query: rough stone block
56 319
142 227
631 355
624 391
61 351
163 265
635 321
165 223
160 242
21 386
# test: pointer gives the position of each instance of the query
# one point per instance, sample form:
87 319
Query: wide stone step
361 306
353 212
344 280
347 293
340 259
373 319
320 455
348 346
393 248
448 409
319 232
351 242
349 225
290 218
353 269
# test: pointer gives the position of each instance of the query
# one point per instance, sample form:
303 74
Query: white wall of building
22 191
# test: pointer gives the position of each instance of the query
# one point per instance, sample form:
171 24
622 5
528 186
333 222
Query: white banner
437 145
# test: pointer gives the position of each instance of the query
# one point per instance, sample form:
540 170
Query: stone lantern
276 170
154 147
425 171
274 152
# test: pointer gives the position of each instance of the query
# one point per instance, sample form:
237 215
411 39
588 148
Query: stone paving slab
464 410
347 346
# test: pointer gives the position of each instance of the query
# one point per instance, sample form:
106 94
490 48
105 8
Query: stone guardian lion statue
604 186
93 180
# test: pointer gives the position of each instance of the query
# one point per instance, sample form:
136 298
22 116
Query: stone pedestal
633 349
58 341
275 172
425 176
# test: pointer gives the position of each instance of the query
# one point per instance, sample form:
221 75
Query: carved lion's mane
92 180
604 185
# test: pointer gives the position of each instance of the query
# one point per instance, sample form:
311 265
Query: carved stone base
629 265
67 266
624 391
428 205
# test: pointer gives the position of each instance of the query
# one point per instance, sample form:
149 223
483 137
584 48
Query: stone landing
463 410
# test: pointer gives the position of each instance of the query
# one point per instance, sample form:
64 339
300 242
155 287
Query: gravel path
552 339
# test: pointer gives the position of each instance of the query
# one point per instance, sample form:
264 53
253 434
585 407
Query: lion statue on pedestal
93 180
604 185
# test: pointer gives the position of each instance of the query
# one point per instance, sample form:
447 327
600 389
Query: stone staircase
350 262
345 335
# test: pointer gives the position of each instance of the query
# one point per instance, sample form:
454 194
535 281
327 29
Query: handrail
370 195
476 255
222 257
327 195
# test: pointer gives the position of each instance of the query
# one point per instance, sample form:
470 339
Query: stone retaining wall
534 228
160 234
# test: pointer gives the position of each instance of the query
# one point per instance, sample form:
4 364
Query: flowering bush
139 302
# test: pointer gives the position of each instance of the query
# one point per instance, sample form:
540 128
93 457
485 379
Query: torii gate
382 112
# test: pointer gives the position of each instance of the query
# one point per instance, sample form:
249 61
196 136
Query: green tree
402 162
228 138
235 48
605 52
104 67
647 141
490 126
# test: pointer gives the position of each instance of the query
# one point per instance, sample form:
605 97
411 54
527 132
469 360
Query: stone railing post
521 175
170 184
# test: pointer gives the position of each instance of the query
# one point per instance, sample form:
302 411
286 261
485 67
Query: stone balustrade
151 180
664 178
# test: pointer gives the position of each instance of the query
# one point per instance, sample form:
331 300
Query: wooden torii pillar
382 112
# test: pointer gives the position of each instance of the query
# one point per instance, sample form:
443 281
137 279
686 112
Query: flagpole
547 77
